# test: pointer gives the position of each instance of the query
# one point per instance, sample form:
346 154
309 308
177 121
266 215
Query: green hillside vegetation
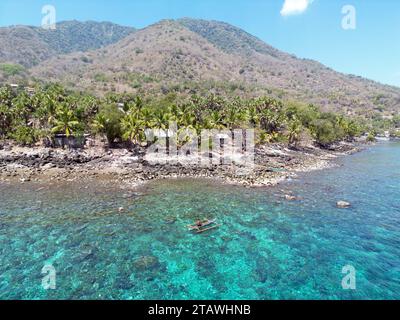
9 69
28 45
71 36
227 37
54 110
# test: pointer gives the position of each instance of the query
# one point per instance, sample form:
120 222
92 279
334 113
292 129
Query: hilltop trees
9 69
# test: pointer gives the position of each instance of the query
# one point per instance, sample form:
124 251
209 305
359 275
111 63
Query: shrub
324 132
395 134
100 77
24 135
136 85
86 59
371 137
108 122
11 69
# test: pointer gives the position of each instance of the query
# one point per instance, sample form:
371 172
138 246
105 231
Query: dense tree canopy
52 110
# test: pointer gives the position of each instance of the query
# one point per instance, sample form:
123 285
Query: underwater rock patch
146 263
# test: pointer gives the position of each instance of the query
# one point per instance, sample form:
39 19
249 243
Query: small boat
207 229
204 225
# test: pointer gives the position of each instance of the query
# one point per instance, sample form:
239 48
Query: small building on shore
73 142
30 91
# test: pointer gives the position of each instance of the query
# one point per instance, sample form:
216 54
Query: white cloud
293 7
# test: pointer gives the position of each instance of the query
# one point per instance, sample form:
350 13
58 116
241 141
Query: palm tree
271 119
139 103
22 108
294 128
183 115
253 116
132 126
6 96
162 119
5 119
215 120
231 118
65 121
99 123
88 106
108 122
45 104
352 129
147 118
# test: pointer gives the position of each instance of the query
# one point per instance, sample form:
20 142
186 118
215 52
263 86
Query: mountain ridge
200 56
30 45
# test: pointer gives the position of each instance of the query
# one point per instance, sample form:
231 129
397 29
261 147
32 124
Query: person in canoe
199 224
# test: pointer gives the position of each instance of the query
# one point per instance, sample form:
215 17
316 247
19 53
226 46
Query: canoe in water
205 223
207 229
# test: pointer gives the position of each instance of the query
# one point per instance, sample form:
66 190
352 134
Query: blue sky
313 30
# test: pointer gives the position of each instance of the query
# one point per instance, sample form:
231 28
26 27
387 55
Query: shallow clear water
267 248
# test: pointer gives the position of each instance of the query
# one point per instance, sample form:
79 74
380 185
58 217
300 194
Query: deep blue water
267 248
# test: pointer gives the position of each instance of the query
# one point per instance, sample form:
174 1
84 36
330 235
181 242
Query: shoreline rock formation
273 164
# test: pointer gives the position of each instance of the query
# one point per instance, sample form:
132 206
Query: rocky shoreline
274 163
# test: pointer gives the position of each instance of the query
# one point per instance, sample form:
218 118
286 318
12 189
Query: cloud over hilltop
294 7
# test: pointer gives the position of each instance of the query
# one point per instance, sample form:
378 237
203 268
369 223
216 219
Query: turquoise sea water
267 248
